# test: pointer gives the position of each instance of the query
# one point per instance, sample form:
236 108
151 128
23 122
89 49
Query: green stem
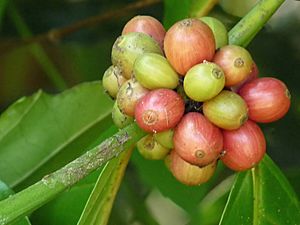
50 186
246 29
37 50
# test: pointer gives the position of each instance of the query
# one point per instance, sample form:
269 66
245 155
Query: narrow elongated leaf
262 196
98 207
5 192
37 128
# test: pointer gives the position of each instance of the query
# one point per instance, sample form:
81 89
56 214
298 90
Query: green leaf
35 129
263 196
3 4
5 192
73 201
99 205
176 10
155 174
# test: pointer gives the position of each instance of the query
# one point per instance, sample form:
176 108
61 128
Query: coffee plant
178 130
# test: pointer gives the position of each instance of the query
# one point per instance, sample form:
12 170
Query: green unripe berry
112 80
219 30
227 110
120 120
151 149
128 47
237 7
204 81
165 138
153 71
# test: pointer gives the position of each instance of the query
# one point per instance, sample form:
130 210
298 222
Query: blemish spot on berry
217 73
239 62
199 154
150 117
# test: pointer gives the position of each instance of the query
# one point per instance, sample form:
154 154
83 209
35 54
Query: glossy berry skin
244 147
159 110
128 96
236 63
148 25
165 138
219 30
149 148
187 43
128 47
227 110
204 81
197 140
268 99
252 76
153 71
187 173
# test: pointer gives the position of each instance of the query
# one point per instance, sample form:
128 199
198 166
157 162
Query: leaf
156 175
175 10
263 196
211 207
5 192
99 205
3 4
73 201
199 8
35 129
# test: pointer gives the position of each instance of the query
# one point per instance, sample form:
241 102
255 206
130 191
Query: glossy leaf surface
35 129
262 196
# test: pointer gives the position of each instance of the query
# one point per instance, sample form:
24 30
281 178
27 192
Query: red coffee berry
148 25
236 63
187 43
159 110
244 147
252 76
268 99
197 140
187 173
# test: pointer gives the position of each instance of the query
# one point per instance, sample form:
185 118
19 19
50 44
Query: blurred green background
84 55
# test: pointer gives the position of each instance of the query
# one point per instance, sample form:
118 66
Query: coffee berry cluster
198 98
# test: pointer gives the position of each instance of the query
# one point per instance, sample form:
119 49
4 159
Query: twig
57 33
50 186
243 32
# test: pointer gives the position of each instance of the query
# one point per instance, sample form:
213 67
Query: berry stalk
246 29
